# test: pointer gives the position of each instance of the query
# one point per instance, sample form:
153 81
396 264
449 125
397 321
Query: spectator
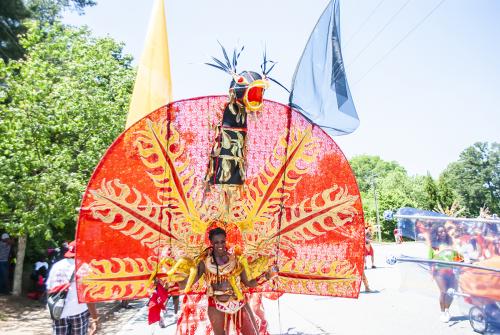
5 246
39 277
490 235
75 317
54 256
397 235
369 248
441 248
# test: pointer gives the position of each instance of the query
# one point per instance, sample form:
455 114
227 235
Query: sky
424 74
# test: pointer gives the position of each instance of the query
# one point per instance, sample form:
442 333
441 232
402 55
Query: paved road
401 306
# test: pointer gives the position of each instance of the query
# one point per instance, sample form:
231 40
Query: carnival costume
235 295
230 273
275 182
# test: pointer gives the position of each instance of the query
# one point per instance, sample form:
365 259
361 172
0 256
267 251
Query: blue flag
319 88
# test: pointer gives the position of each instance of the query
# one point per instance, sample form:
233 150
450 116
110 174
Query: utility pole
379 234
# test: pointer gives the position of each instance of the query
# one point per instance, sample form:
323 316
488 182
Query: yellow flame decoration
308 220
273 186
111 200
340 269
342 275
107 284
311 218
155 148
338 287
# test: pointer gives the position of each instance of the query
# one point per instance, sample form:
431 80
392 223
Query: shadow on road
293 331
17 312
372 291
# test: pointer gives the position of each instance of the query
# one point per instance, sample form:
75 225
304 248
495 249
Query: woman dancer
442 249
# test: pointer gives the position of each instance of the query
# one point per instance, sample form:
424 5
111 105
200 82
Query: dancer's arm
272 272
200 272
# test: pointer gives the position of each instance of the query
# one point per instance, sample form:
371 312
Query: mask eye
241 80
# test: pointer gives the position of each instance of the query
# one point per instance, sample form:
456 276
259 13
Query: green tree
446 194
398 190
13 12
438 194
390 184
431 198
48 11
476 177
367 167
61 107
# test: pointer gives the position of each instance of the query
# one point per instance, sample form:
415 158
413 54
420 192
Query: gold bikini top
187 268
232 267
228 272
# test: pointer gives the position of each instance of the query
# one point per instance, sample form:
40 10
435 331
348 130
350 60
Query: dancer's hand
272 272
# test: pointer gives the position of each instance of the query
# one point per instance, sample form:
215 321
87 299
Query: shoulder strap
72 276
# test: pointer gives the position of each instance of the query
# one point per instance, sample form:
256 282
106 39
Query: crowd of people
475 241
458 242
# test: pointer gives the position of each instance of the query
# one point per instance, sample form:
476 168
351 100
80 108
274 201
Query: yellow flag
153 86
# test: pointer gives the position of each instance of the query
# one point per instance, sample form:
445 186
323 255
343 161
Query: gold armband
236 289
244 263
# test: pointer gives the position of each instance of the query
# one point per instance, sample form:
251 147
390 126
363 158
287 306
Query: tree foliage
367 168
13 12
438 194
48 11
61 107
393 188
389 184
476 177
464 187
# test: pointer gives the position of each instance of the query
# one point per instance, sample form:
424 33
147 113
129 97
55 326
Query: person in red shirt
397 235
369 248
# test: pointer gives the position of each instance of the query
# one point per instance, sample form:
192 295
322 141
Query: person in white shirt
76 318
